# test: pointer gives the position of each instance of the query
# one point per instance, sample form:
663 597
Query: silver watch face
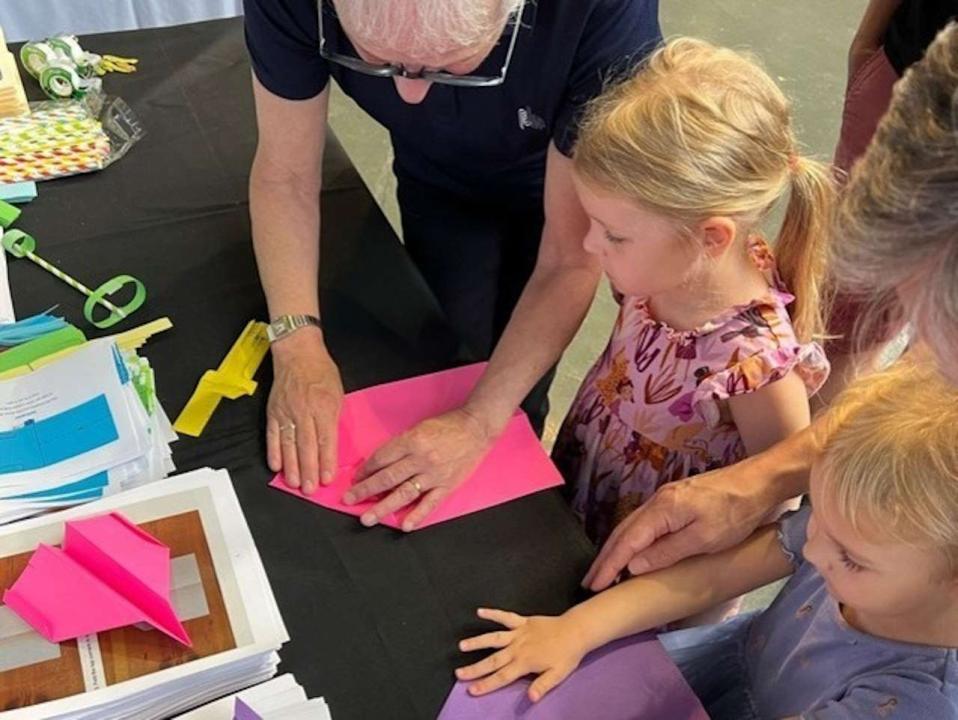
278 328
284 325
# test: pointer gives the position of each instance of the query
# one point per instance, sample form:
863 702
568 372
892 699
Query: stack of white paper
220 593
80 428
6 302
279 699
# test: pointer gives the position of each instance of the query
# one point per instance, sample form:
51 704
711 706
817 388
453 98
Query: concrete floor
803 44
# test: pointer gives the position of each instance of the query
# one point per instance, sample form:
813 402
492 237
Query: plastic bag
66 137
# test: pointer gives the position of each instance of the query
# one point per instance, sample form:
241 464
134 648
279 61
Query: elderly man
481 98
897 241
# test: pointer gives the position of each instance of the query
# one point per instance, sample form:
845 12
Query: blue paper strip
29 329
46 442
93 484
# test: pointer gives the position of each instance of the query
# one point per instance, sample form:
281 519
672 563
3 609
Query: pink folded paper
109 574
515 466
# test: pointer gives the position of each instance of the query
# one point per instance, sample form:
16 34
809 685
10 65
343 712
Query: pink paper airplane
109 574
515 466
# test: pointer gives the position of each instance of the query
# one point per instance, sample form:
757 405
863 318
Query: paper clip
232 379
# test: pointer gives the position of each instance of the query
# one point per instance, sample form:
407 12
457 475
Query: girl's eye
615 240
850 564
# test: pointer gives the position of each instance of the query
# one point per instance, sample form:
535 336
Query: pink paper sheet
109 574
515 466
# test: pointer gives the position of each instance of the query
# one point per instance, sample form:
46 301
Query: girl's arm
771 414
552 647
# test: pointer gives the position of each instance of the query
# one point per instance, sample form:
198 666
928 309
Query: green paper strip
33 350
8 214
111 287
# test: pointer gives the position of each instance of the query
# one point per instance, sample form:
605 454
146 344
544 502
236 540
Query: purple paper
630 679
242 711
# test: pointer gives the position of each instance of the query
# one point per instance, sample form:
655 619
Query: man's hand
421 466
303 412
704 514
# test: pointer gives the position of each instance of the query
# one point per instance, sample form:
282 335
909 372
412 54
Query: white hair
897 226
425 26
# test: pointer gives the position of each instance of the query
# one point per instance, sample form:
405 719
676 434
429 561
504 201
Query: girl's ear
717 234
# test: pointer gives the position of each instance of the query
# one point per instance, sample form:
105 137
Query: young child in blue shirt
867 625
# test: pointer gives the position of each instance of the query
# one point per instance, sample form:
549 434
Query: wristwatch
287 324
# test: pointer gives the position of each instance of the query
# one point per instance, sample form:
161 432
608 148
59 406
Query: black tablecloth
374 615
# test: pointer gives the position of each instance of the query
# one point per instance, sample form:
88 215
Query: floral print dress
652 408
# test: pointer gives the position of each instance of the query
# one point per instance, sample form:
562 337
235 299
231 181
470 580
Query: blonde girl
713 355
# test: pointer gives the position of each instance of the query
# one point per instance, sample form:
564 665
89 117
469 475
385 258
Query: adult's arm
284 188
439 453
707 513
871 32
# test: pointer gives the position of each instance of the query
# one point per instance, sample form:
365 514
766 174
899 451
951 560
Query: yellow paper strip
232 379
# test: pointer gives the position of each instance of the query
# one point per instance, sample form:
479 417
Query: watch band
287 324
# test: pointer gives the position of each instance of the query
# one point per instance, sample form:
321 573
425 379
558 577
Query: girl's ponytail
802 246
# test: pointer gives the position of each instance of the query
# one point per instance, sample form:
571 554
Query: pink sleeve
747 373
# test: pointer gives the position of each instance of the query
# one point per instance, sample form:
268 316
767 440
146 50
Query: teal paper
18 193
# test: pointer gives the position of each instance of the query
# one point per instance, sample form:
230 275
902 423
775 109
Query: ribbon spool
61 83
36 56
63 69
82 61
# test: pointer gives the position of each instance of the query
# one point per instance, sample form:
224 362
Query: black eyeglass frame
389 70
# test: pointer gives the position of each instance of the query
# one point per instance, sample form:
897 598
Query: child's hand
545 646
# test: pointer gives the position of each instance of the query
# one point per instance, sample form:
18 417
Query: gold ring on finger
417 486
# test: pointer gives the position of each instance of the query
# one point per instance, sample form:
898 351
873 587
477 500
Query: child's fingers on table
487 666
546 682
507 675
497 639
510 619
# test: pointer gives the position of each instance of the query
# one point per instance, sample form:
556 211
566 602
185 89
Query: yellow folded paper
233 379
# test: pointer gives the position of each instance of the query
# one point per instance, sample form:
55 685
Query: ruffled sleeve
754 360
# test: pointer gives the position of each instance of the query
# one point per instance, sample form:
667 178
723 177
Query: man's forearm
285 223
544 322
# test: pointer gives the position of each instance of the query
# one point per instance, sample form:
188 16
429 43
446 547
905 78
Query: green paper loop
18 243
102 294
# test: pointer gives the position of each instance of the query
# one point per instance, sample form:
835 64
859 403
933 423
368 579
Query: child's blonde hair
890 457
701 131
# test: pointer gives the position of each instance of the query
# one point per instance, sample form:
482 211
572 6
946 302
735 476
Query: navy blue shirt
913 27
475 142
